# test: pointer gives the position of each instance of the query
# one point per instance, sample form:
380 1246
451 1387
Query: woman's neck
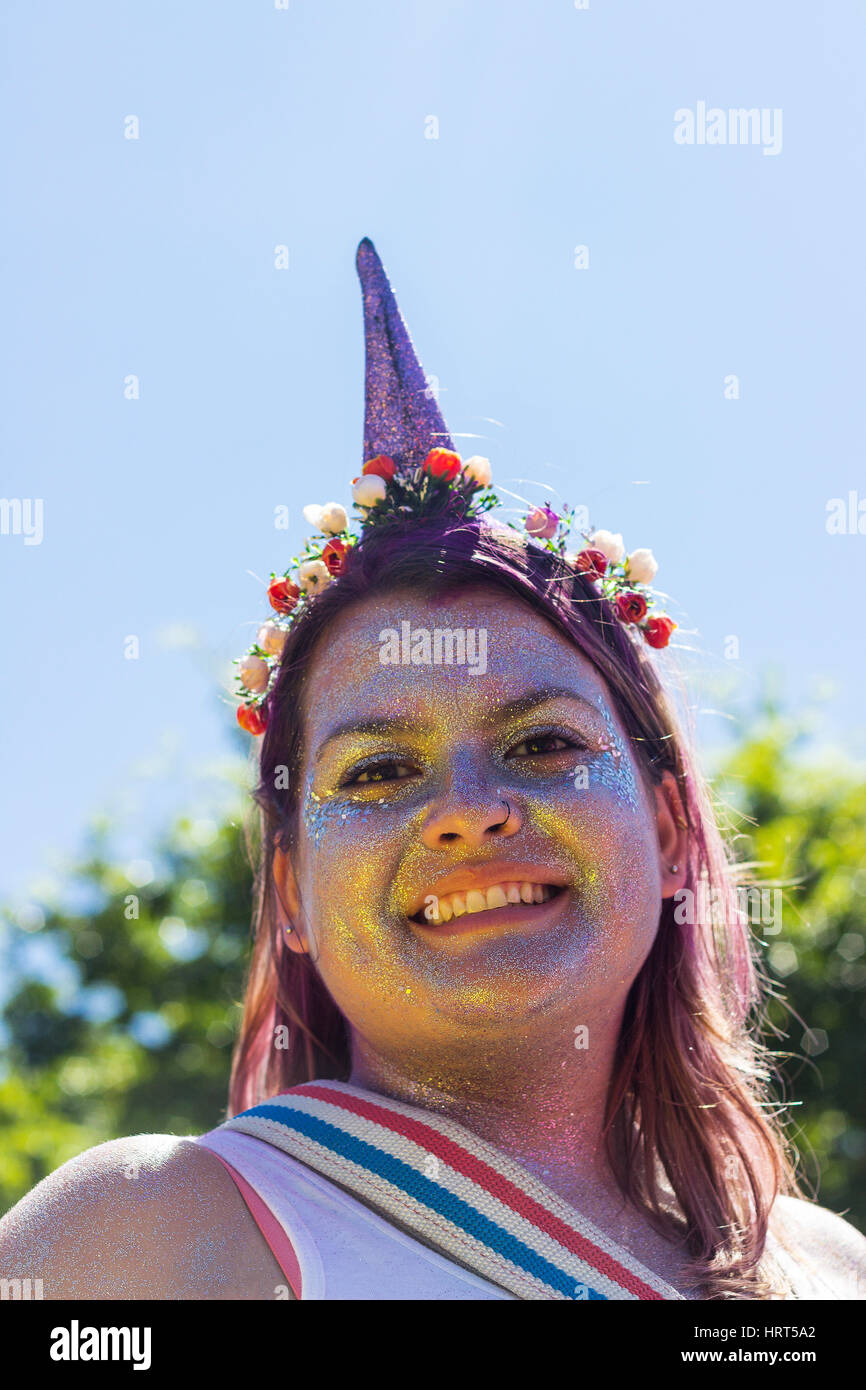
540 1102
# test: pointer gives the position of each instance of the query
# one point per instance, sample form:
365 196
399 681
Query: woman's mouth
444 908
452 920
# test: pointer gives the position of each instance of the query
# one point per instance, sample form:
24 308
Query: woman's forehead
403 654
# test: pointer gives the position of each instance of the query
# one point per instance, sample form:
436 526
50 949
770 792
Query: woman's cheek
347 847
600 813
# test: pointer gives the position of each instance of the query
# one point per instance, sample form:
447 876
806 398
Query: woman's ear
286 886
672 833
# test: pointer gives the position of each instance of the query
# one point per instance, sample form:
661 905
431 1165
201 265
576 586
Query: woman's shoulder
147 1216
826 1251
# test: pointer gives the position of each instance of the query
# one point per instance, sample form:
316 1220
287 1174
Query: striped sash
451 1189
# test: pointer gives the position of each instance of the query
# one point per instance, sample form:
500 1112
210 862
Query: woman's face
430 790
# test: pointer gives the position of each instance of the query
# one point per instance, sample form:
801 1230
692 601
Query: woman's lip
493 921
487 876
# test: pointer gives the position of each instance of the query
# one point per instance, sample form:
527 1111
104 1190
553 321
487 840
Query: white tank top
331 1246
341 1249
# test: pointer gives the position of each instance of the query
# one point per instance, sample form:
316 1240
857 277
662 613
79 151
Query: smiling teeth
500 895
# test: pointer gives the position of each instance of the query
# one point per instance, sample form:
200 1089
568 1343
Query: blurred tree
139 1038
804 823
137 1035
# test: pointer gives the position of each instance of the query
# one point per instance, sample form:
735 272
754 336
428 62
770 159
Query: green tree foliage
804 824
164 959
140 1038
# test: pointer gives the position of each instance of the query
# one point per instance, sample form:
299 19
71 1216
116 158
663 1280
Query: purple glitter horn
401 416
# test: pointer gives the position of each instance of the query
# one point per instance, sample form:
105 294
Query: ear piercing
675 868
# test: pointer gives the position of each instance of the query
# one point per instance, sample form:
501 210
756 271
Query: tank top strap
328 1244
276 1236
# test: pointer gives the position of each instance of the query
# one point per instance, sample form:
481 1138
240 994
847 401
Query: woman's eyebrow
382 727
544 696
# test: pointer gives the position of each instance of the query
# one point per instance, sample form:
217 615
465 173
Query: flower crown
442 484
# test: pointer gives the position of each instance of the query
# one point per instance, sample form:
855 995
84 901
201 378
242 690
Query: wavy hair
690 1130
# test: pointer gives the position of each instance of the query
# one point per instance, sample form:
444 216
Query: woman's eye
390 771
538 745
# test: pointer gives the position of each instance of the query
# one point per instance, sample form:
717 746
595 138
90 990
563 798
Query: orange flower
334 556
282 595
382 466
657 631
253 718
442 463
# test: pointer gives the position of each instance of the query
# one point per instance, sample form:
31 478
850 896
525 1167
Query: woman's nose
471 818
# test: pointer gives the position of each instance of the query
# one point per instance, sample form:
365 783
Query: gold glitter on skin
480 1027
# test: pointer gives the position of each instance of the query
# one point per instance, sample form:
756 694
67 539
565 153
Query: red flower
658 630
382 466
591 562
282 595
631 606
442 463
253 718
334 555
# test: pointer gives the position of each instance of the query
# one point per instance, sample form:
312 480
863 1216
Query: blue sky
307 127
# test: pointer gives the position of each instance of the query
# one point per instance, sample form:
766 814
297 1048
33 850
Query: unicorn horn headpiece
401 414
411 472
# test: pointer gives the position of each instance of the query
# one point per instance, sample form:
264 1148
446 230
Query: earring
675 868
287 930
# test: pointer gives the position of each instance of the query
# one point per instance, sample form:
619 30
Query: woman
493 1044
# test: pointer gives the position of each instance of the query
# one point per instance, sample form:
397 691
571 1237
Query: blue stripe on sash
402 1176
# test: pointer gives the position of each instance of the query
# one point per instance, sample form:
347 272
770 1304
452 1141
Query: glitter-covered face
476 845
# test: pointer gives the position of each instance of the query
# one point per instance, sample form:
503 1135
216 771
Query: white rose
479 470
642 566
313 575
313 514
255 673
271 639
610 545
333 519
369 490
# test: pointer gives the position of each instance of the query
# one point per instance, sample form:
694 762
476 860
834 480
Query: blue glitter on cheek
320 815
613 770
